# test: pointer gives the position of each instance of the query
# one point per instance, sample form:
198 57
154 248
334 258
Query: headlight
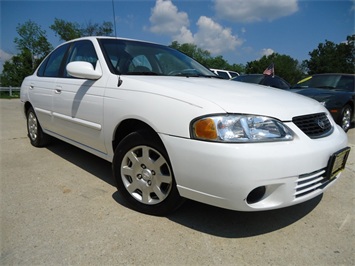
240 128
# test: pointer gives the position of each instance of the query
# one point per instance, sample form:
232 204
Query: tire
345 118
144 176
34 129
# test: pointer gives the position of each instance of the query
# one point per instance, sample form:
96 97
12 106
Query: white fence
10 89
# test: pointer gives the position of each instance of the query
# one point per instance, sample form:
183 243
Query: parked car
226 74
172 130
266 80
335 92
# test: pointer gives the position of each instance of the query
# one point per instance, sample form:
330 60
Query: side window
82 51
346 83
51 67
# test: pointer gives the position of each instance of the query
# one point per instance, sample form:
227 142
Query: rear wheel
345 118
34 129
144 175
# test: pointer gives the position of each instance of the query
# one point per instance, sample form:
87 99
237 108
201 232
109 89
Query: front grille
307 183
314 125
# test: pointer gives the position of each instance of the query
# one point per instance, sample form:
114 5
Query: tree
332 58
71 30
285 67
94 29
65 30
16 69
33 47
33 39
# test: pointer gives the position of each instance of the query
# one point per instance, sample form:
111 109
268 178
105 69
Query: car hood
321 95
229 96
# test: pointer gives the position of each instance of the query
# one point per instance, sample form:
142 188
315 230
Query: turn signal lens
205 129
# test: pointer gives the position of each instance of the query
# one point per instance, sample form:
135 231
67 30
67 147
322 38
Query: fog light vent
256 195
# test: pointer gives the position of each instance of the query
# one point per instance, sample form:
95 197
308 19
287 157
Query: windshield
126 57
332 82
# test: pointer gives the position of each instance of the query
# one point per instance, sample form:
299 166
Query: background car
266 80
226 74
335 91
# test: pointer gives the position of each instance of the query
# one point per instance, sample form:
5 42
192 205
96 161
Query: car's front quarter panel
134 99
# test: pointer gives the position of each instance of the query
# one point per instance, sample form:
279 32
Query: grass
6 95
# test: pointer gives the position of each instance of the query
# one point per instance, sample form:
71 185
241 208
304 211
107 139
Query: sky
239 30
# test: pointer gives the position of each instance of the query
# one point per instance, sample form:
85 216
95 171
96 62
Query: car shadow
234 224
194 215
85 160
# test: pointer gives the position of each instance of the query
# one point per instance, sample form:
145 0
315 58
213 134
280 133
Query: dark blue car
335 91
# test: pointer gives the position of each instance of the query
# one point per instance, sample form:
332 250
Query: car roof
92 38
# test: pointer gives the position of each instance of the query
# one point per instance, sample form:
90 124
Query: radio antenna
114 17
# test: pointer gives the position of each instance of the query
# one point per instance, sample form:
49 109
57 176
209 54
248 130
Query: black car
335 92
267 80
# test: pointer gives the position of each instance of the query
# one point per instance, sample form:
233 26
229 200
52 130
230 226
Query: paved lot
59 207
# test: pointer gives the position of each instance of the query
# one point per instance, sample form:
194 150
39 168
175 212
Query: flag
270 70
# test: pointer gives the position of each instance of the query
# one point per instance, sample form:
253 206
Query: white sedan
173 130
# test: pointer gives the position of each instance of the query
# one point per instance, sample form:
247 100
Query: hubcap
146 175
32 126
346 119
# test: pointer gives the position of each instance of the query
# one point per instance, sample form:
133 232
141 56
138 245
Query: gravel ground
59 206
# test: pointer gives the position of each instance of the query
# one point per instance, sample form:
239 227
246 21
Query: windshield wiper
325 87
195 75
143 73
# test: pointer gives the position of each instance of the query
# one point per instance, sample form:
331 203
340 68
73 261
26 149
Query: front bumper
223 175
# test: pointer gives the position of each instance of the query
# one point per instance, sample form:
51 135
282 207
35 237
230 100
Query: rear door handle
58 90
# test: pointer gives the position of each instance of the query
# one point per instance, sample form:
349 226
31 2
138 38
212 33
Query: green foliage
33 46
332 58
94 29
65 30
71 30
204 57
16 69
33 39
6 95
285 67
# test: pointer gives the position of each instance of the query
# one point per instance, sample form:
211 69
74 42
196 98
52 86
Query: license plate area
337 163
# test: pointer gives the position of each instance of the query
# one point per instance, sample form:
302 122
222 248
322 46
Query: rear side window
52 65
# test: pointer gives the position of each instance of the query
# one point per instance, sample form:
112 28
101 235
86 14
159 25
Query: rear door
41 87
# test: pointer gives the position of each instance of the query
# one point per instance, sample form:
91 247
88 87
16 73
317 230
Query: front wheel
345 118
144 175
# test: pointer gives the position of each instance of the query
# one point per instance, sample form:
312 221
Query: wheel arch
132 125
350 103
26 107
